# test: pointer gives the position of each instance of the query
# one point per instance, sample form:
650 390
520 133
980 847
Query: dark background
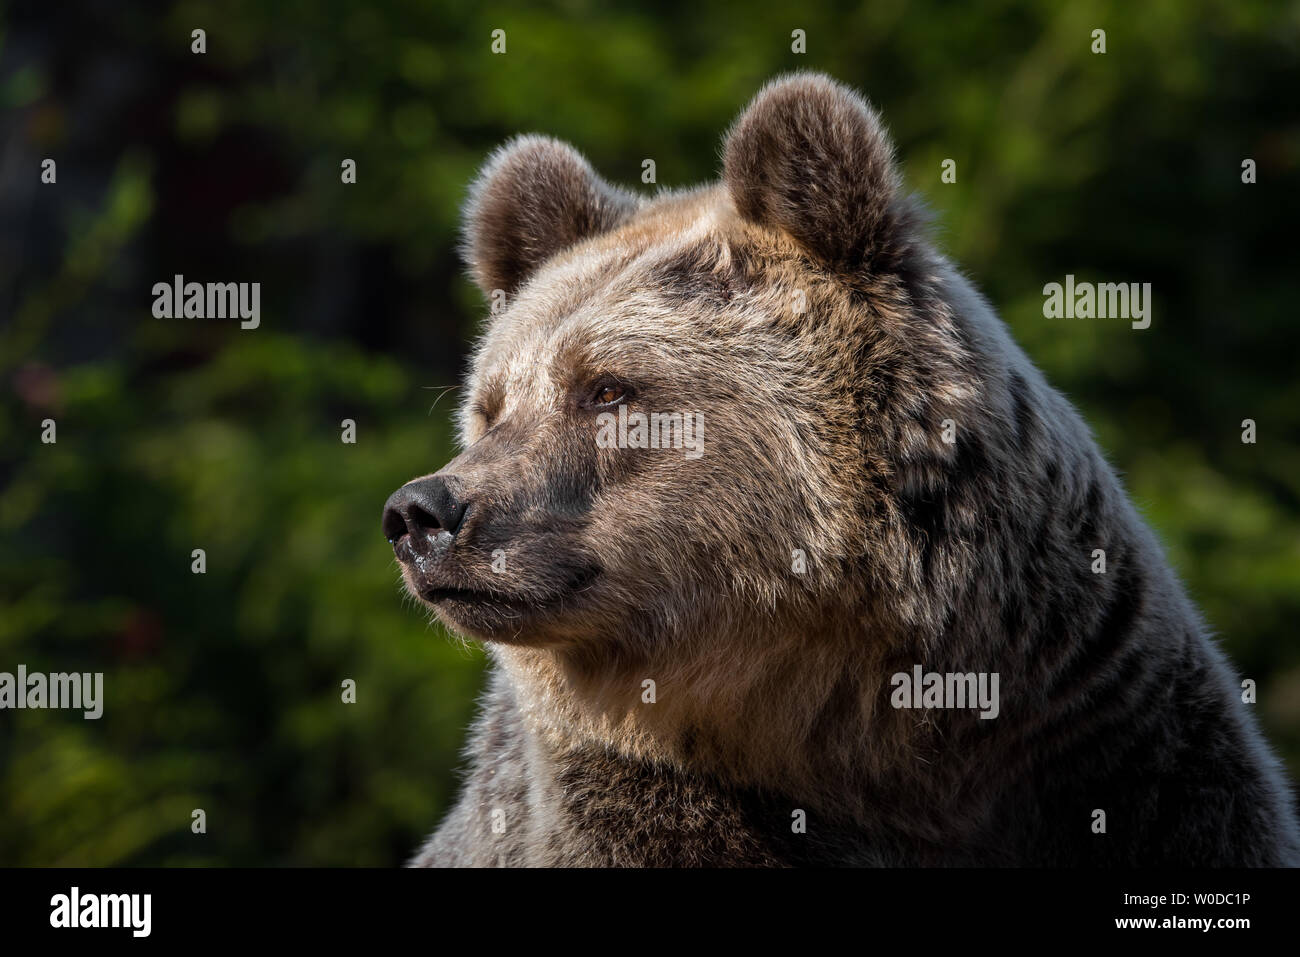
223 690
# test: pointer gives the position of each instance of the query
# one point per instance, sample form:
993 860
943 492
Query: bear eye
608 392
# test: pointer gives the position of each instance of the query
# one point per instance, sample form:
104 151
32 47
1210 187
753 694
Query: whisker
445 390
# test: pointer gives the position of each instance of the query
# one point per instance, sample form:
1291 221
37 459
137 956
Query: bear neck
810 718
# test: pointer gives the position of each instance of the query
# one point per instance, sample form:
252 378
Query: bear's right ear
809 157
533 198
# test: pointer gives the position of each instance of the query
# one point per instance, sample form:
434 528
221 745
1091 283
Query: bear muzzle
443 528
421 520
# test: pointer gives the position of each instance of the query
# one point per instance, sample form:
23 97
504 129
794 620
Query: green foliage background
223 690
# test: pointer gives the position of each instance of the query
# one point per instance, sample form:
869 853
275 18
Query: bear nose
422 509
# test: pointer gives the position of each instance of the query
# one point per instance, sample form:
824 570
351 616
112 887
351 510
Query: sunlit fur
824 432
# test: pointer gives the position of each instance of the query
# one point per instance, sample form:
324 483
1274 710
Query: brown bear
751 474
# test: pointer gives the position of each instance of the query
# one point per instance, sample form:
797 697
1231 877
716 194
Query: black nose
422 509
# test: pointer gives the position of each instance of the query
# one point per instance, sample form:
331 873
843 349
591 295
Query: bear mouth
467 596
481 598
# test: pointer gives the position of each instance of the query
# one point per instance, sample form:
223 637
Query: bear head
718 418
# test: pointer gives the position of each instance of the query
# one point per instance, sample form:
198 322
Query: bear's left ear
810 157
534 198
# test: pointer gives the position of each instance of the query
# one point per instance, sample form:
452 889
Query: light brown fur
823 433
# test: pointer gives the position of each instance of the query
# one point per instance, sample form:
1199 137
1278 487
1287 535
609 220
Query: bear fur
799 307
